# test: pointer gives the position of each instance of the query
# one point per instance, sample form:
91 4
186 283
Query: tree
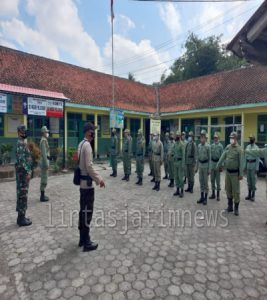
131 76
202 57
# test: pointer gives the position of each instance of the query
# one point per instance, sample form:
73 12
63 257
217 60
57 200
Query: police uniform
114 150
140 156
44 163
190 161
215 175
149 152
204 167
166 146
126 154
233 160
170 160
23 168
157 156
251 167
178 152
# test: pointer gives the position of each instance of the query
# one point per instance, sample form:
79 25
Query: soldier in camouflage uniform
178 152
215 176
170 160
252 168
140 156
233 161
190 161
114 150
23 174
166 147
204 166
44 162
158 154
149 151
126 154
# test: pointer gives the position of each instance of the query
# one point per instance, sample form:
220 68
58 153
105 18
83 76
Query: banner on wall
116 118
155 126
43 107
3 103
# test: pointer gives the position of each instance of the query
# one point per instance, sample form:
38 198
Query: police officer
23 175
204 166
126 154
233 159
252 168
215 176
183 138
166 146
170 160
44 162
149 151
190 161
140 156
157 156
114 150
178 152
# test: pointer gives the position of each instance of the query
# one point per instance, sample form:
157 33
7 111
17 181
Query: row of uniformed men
183 159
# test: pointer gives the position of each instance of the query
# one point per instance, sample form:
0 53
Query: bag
77 170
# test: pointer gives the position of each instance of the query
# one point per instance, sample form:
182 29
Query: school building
38 91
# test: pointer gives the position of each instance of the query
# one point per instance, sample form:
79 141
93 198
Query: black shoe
43 198
141 181
150 174
205 199
155 186
166 177
89 246
249 195
236 209
181 194
177 193
201 198
185 180
127 178
252 196
230 206
158 186
218 196
171 185
22 221
153 179
138 181
124 177
112 175
212 195
188 188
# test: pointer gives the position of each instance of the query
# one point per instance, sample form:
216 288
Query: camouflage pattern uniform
126 154
140 156
114 150
166 146
44 163
170 160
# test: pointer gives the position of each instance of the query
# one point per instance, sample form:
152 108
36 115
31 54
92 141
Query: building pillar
242 129
25 119
121 138
96 135
180 124
209 128
65 146
142 124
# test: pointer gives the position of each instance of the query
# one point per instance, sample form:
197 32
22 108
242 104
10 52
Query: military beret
233 135
252 136
89 127
22 128
126 130
44 129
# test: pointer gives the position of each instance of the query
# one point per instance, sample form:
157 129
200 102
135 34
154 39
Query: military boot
127 178
155 186
212 195
150 174
249 195
191 188
124 177
177 193
22 221
112 174
115 174
236 209
158 186
153 179
165 177
188 188
252 196
205 199
43 198
218 196
141 181
181 194
230 205
201 198
171 184
138 182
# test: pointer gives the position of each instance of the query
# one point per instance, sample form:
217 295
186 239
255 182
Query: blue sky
147 36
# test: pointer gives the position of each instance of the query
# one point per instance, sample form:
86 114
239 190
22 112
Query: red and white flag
112 11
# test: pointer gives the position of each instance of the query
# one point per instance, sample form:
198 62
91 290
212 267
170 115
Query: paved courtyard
151 245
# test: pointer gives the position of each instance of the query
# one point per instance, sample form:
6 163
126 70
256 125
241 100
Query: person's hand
240 177
102 184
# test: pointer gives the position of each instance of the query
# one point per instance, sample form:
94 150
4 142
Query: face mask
232 141
177 139
156 138
251 141
47 135
190 139
171 138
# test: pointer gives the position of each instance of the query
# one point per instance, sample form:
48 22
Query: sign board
3 103
12 123
54 125
116 118
43 107
54 108
155 126
104 125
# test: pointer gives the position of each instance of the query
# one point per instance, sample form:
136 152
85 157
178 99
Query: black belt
113 147
49 157
215 160
126 151
83 177
203 161
156 154
139 154
232 171
190 156
251 160
178 159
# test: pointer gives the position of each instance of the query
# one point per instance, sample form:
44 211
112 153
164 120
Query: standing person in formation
158 154
233 161
178 152
126 154
23 168
140 156
149 151
252 168
215 176
44 162
204 166
114 150
87 192
166 146
170 160
185 142
190 161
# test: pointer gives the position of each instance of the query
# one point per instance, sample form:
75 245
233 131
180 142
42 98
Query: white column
96 136
209 128
242 129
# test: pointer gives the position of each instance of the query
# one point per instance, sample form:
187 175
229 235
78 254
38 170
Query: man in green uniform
149 151
170 160
114 150
215 176
140 156
166 146
233 160
183 138
23 175
190 161
252 168
178 152
204 166
126 154
158 154
44 162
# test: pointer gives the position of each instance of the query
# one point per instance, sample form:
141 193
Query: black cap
22 128
89 127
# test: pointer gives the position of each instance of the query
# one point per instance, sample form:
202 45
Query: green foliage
58 164
131 76
202 57
5 153
72 158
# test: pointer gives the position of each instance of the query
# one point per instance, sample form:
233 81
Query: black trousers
87 197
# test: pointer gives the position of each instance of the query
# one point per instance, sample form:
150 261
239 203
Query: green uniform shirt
166 146
249 165
178 152
216 153
204 156
23 158
158 151
233 159
140 147
149 148
190 153
114 146
127 146
170 153
45 153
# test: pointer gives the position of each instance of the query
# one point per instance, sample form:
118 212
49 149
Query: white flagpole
112 43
